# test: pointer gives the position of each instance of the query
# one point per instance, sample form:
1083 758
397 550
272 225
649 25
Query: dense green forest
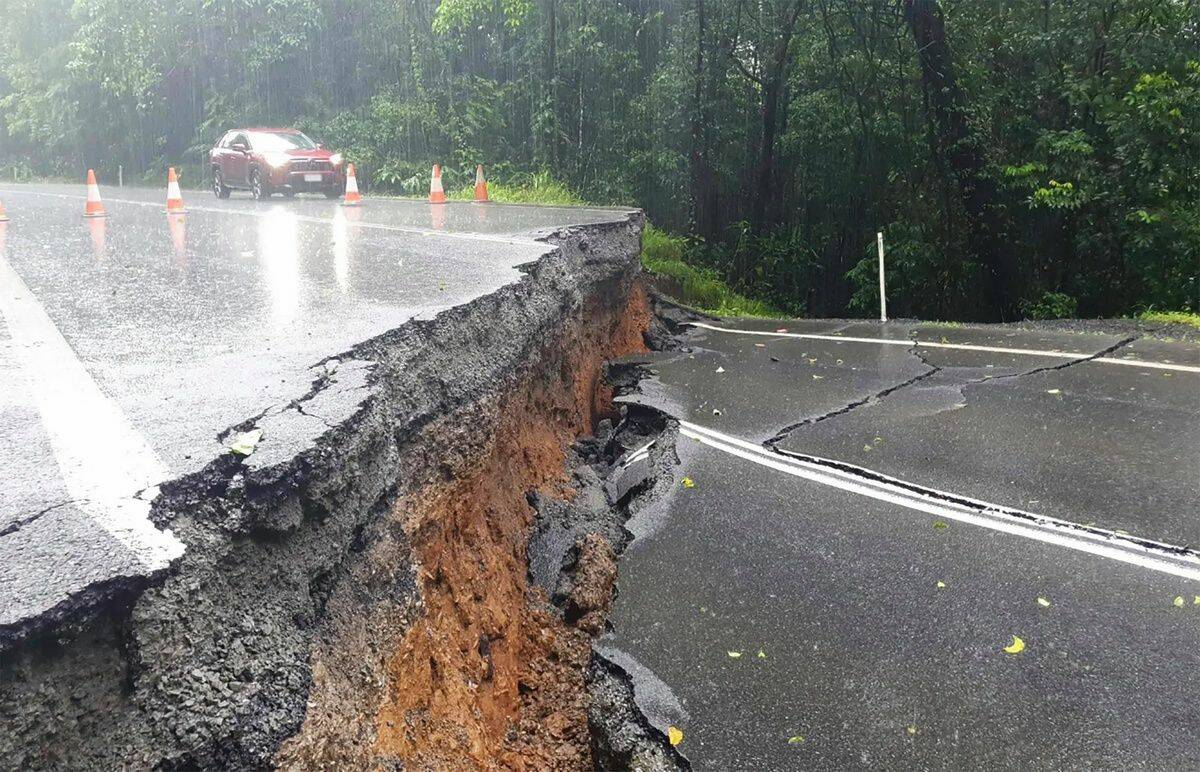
1022 157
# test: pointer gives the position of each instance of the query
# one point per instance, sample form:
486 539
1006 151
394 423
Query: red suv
266 161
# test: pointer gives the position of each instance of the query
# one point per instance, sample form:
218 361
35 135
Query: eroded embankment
366 603
487 675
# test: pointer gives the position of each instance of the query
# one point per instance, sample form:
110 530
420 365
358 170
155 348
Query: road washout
369 601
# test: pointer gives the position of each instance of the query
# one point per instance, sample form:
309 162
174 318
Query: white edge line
955 346
886 481
1048 534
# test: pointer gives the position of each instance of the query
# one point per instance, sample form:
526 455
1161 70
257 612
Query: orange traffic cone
94 206
352 197
3 214
174 197
480 184
436 194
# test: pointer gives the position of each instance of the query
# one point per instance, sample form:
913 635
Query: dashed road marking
959 347
1156 556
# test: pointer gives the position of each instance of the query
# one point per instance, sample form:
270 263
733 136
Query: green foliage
1171 317
521 188
1084 115
1051 305
922 280
664 255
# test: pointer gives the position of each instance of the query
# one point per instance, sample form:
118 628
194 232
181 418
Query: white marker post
882 288
120 176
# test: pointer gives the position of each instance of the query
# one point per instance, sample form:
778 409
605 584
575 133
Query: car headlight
336 159
277 160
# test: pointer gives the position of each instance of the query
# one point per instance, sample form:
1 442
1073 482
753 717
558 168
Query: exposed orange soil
488 677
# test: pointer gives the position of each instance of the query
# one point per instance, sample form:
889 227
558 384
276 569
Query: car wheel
218 184
331 193
258 186
289 194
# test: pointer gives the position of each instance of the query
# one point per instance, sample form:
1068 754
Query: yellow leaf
1017 646
795 739
941 585
245 443
762 654
1054 391
734 654
1196 602
1043 603
912 729
866 447
675 735
1179 601
940 524
687 482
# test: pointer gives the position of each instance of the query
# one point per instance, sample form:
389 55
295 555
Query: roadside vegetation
664 256
1022 159
1171 317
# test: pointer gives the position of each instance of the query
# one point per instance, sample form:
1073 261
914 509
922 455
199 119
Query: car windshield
281 140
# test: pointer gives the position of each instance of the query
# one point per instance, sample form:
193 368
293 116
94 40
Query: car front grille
310 165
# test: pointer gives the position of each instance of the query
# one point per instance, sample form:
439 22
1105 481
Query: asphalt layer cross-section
814 627
130 345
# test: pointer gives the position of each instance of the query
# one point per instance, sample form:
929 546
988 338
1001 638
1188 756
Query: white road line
638 454
1108 544
104 461
429 232
958 346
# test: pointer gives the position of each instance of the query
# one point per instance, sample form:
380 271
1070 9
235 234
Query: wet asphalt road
128 345
864 655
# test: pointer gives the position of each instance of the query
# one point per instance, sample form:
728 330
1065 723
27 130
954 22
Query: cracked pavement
179 330
881 627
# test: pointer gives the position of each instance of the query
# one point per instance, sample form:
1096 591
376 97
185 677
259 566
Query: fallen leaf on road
912 729
795 739
812 361
245 443
1043 603
734 654
1196 602
720 369
866 447
716 412
940 524
674 735
1054 391
1179 601
687 482
818 377
941 585
762 654
1016 647
839 361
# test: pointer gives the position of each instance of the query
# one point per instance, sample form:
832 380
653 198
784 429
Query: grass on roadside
701 288
1171 317
539 188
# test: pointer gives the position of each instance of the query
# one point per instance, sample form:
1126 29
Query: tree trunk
960 147
773 82
703 185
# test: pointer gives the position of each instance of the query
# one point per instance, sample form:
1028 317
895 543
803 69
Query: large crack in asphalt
316 582
787 430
